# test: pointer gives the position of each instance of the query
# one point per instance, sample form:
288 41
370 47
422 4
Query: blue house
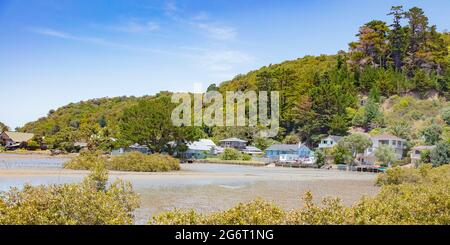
291 152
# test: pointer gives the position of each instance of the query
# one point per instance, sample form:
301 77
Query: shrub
71 204
257 212
136 161
32 145
440 155
130 161
233 154
85 161
445 114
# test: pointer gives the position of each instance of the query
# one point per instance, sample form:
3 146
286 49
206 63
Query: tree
401 129
432 133
320 157
352 145
440 155
425 156
385 155
3 127
445 114
397 37
149 123
291 139
372 46
212 87
372 118
418 25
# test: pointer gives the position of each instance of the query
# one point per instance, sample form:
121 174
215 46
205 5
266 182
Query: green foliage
354 143
425 156
263 143
401 129
149 123
138 162
440 155
258 212
445 114
432 133
291 139
3 127
233 154
80 121
385 155
70 204
320 157
32 145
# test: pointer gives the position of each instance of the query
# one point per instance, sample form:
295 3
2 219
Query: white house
329 141
397 144
202 148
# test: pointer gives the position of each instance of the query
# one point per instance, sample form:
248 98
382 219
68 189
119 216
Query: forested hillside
395 77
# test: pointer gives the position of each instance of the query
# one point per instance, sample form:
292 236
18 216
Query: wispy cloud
200 16
222 63
135 26
218 32
170 7
200 21
95 40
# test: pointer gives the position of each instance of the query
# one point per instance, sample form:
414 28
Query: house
397 144
14 139
132 148
416 152
201 149
289 152
235 143
329 141
139 148
252 150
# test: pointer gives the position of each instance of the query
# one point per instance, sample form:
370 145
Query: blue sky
53 52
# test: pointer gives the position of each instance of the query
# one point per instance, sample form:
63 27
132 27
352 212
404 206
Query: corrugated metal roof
233 140
386 137
19 137
201 145
283 147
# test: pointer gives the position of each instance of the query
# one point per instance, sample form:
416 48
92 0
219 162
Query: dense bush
85 161
136 161
257 212
407 196
233 154
131 161
440 155
91 202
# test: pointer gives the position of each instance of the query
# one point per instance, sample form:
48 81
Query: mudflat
211 187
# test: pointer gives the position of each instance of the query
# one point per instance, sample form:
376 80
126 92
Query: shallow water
13 161
204 187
